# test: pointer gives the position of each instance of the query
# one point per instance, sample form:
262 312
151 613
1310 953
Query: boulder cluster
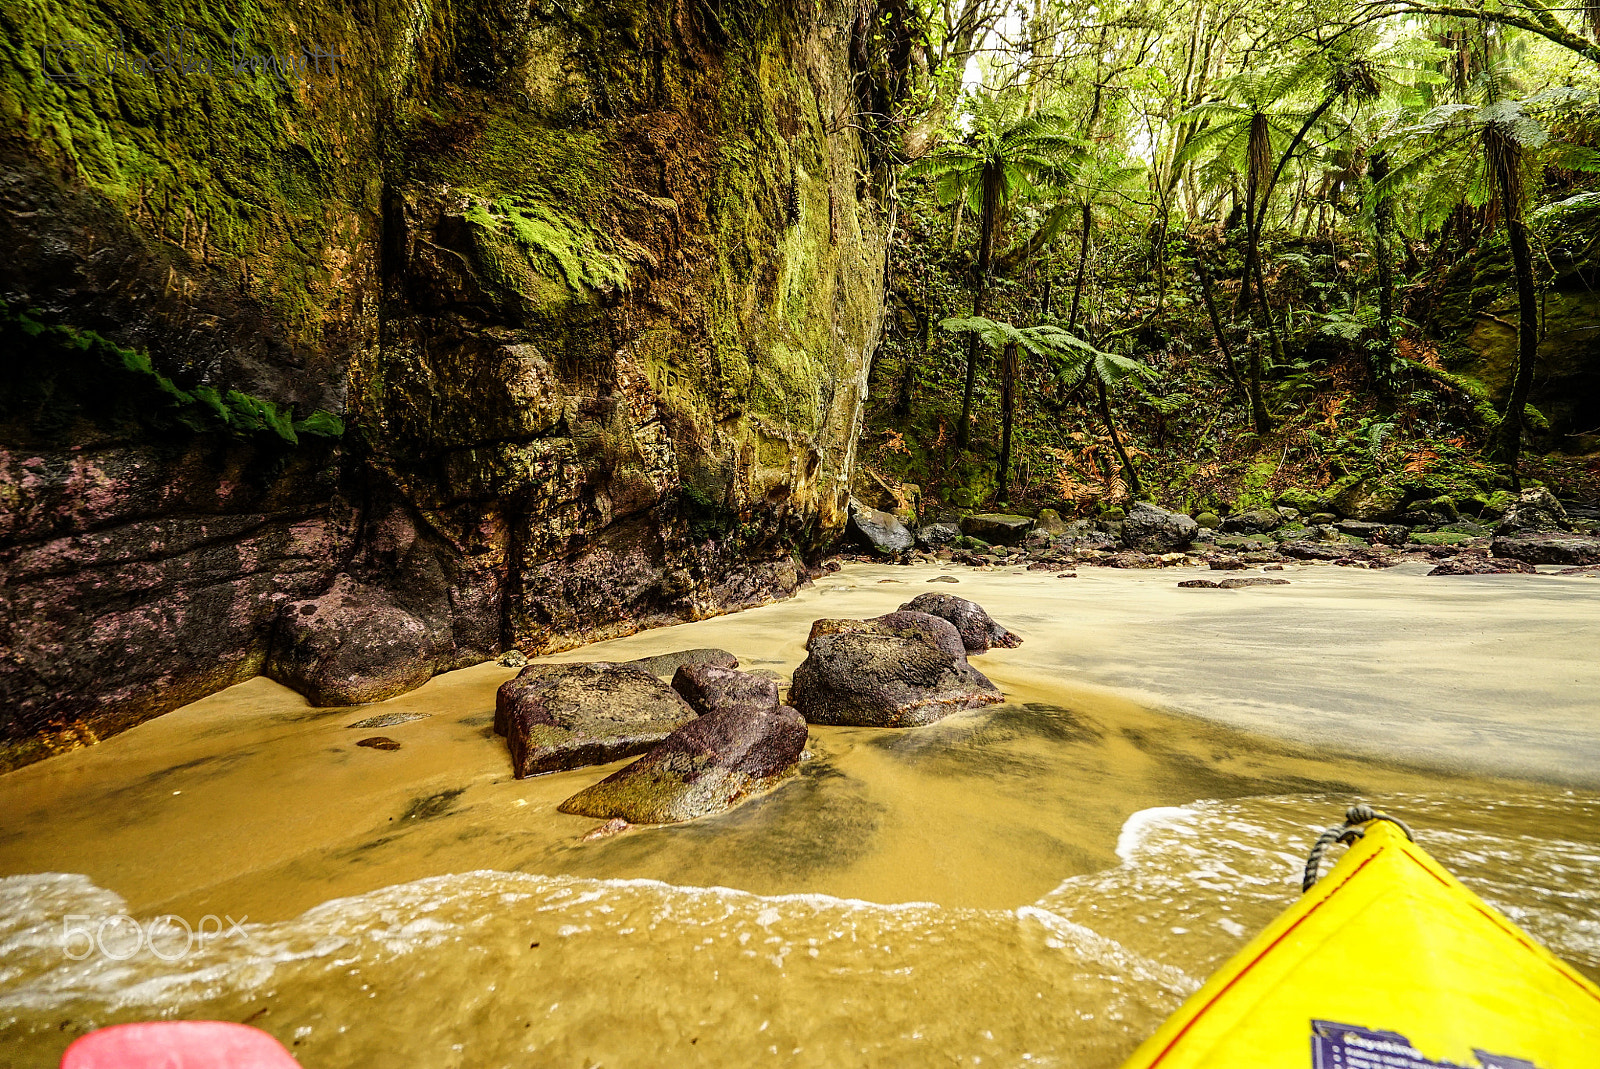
714 736
1507 536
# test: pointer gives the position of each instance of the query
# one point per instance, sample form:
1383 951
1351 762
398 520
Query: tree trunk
1129 472
1510 436
1216 320
980 295
1083 265
1383 229
1258 407
1008 391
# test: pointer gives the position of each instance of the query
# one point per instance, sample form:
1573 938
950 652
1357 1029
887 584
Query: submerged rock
1548 547
978 631
665 664
351 645
708 765
388 720
944 579
708 688
560 716
877 679
881 530
379 742
1155 530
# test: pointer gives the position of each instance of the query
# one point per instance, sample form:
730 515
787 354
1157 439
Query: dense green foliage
1331 231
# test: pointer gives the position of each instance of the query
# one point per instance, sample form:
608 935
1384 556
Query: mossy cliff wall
517 324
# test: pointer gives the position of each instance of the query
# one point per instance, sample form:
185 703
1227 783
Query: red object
178 1045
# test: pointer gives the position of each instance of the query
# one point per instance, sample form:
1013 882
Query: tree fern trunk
1383 229
980 295
1008 398
1083 268
1130 473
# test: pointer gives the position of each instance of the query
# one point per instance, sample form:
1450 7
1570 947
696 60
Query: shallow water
1034 884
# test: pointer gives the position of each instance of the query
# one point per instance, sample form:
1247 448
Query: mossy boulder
561 716
997 528
872 679
707 766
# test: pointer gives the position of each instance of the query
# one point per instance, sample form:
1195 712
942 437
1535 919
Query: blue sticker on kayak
1347 1046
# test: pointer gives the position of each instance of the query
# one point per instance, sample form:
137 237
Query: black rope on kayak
1354 827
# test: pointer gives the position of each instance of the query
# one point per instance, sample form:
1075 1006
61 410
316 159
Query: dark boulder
1480 566
559 716
1391 534
937 535
1548 547
1155 530
997 528
1237 583
1535 510
665 664
885 680
978 631
708 688
1330 551
880 530
351 645
706 766
1255 521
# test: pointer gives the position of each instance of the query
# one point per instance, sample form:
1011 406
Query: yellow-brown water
1034 884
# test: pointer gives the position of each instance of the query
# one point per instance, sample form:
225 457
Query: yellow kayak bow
1388 963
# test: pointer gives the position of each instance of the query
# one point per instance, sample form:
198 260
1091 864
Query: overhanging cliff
353 343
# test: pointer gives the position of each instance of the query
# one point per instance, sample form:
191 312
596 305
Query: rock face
1551 547
873 679
628 292
708 688
977 630
997 528
559 716
880 530
704 767
1155 530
